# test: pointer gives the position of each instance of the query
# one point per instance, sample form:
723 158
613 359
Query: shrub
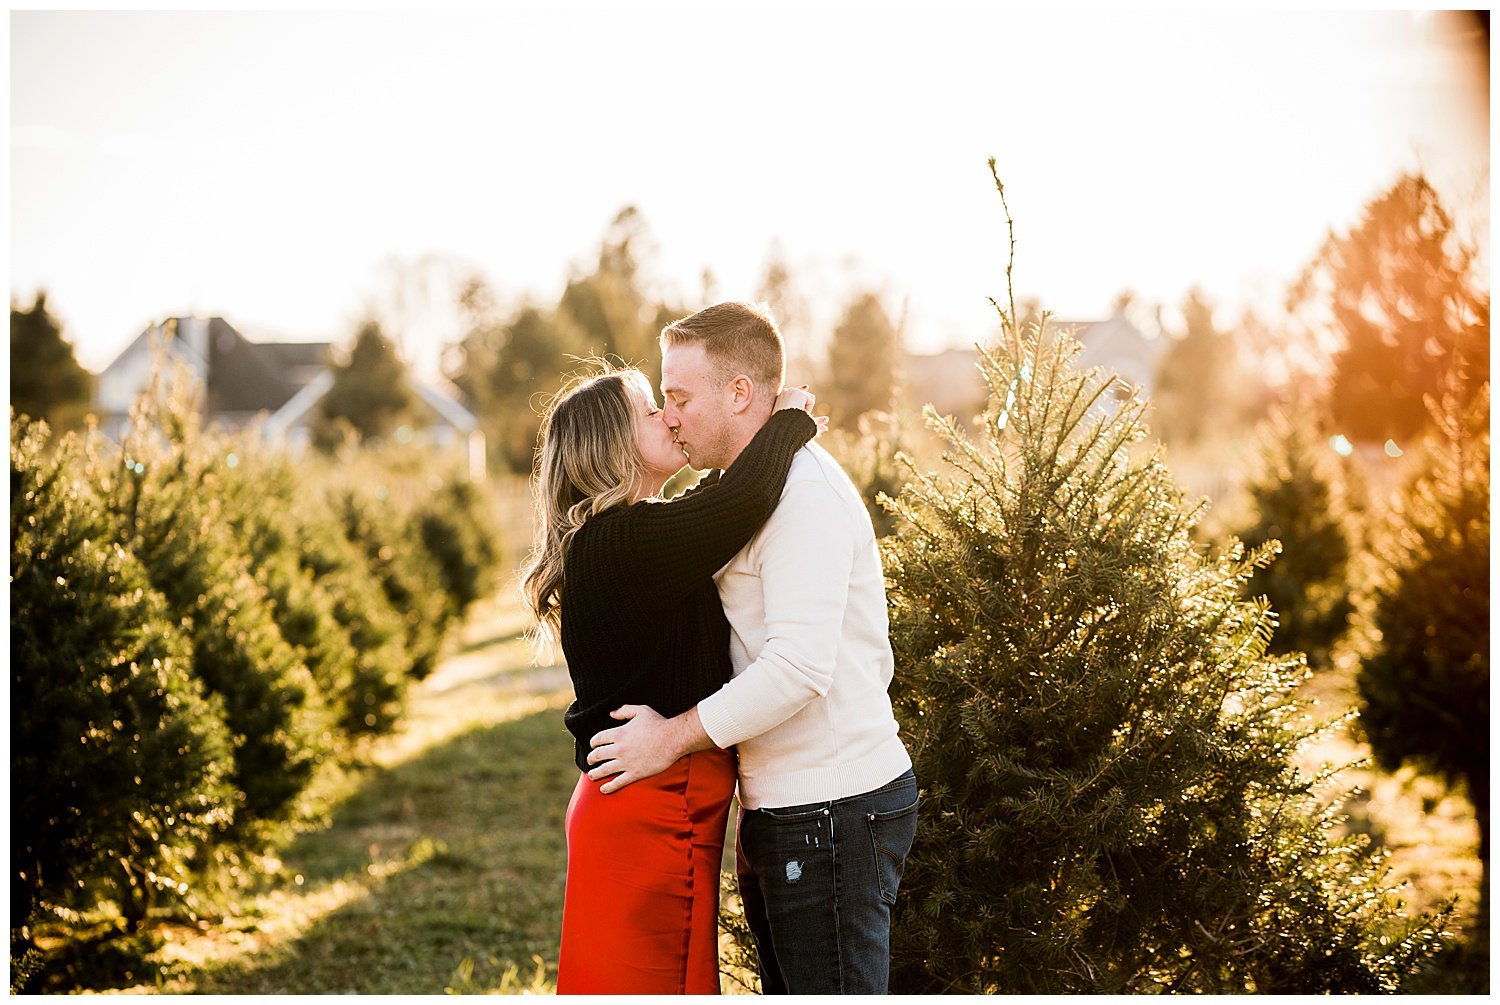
1424 675
118 759
1296 502
168 489
1112 801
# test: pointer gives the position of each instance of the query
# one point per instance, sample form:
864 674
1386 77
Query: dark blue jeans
819 881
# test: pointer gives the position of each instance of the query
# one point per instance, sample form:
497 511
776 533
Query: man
828 799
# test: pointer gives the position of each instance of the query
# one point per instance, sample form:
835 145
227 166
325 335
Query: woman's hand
801 397
795 397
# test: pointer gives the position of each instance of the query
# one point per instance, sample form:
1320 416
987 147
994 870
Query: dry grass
1429 831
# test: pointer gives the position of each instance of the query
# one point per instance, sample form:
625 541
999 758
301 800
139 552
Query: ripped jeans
819 882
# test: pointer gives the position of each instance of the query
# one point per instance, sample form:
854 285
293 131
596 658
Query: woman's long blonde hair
588 462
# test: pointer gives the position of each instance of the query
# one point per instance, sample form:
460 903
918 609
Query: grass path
441 867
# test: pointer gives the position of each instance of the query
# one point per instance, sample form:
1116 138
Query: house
951 380
275 384
1116 345
240 379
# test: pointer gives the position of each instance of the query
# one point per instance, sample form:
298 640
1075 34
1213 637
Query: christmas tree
166 490
1297 502
1424 630
119 761
1113 793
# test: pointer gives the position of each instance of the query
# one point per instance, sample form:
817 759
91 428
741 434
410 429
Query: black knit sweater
641 618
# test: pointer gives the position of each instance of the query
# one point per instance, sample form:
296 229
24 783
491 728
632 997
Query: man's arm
806 553
806 556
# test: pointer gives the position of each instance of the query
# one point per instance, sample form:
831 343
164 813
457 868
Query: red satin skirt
641 910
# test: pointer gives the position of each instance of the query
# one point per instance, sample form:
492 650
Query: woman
625 582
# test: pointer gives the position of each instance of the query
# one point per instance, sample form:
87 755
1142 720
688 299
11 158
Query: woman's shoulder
603 532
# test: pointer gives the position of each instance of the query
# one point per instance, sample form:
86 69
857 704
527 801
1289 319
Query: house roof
297 354
241 376
245 376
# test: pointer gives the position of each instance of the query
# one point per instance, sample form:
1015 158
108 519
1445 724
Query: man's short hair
737 338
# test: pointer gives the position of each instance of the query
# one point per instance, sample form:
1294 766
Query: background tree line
507 364
1371 474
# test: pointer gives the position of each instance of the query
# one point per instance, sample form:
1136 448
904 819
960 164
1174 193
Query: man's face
696 406
659 451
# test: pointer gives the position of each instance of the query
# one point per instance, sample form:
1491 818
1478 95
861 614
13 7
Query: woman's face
660 451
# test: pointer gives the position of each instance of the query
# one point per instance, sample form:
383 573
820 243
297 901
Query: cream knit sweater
809 640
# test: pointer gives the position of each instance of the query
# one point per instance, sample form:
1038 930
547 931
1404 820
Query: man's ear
741 393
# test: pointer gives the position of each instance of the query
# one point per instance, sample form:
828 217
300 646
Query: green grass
441 865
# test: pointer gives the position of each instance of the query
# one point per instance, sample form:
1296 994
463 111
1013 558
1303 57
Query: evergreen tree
507 370
1397 295
168 489
118 761
1296 501
46 379
1112 801
461 540
870 454
610 307
863 362
778 291
1424 676
371 395
326 601
1191 397
392 548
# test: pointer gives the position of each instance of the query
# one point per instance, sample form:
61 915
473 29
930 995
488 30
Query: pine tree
1296 502
461 540
119 762
609 307
863 362
46 380
1193 395
779 291
1424 675
324 597
1396 292
167 488
392 549
870 454
507 371
1112 801
371 395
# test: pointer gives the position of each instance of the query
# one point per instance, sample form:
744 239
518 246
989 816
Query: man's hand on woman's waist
645 745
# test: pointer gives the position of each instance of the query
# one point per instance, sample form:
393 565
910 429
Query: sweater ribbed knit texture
641 619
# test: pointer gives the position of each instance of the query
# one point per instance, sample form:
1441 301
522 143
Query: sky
270 167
